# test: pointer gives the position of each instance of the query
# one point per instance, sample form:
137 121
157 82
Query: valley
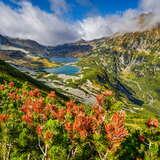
123 63
124 68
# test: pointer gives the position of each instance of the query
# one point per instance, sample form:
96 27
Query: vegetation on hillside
38 123
38 126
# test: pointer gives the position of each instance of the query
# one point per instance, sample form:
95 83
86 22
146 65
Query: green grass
9 73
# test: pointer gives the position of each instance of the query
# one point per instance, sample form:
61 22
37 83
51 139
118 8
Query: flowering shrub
3 117
43 127
152 123
115 130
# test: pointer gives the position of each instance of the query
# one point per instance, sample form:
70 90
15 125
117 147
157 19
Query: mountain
33 47
77 49
130 64
27 45
119 75
34 56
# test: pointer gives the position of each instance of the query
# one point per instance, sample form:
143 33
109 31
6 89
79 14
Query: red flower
33 105
100 99
59 114
11 84
141 138
35 93
2 87
84 125
49 108
39 130
115 130
3 117
13 96
152 123
27 118
68 126
70 105
108 93
24 109
38 105
99 114
52 94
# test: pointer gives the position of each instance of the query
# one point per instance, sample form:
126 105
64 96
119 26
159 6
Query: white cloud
154 7
150 5
32 23
59 6
98 26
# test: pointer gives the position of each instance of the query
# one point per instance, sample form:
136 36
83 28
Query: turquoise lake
64 59
65 69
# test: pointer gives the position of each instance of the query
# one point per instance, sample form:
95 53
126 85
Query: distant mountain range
34 48
29 53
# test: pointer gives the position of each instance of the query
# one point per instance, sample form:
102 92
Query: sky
53 22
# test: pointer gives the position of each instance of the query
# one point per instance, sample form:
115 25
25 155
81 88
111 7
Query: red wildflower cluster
49 108
99 114
14 96
73 109
152 123
4 117
68 126
11 84
35 92
108 93
33 105
83 124
39 130
115 130
59 114
101 98
52 94
2 87
28 119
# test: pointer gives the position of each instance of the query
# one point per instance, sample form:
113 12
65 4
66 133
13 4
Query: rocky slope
130 64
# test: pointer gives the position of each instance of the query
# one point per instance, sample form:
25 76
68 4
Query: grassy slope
9 73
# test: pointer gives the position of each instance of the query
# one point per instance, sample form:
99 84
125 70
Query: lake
65 69
64 59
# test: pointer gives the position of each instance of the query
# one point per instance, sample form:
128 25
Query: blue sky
53 22
78 9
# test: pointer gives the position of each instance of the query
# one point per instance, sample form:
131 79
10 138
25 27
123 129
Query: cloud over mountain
128 21
30 22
